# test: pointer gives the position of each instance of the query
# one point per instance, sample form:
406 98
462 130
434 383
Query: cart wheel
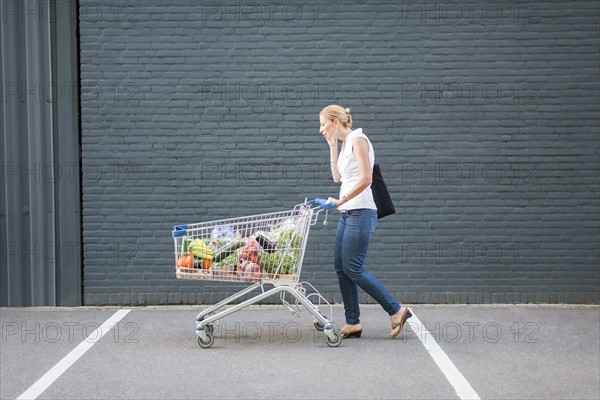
319 326
209 328
205 344
336 341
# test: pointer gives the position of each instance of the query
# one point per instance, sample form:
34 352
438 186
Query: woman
353 166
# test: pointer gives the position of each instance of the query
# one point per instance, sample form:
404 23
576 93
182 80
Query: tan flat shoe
355 334
346 333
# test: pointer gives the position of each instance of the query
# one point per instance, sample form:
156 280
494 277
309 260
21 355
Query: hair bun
347 110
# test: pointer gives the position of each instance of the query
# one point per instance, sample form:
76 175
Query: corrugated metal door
40 205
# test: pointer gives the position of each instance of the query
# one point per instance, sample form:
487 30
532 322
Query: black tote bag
381 195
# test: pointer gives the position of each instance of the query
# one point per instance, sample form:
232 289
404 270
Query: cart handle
179 231
322 203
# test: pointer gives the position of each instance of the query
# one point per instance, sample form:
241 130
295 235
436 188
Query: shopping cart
263 250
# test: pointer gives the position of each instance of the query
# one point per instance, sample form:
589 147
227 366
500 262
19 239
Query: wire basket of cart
265 251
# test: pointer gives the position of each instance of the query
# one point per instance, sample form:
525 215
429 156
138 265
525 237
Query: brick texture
484 118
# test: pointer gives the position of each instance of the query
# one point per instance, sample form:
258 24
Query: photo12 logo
255 92
109 10
440 253
39 92
261 172
53 252
70 332
471 331
38 11
116 92
253 332
463 173
469 93
266 11
51 172
483 13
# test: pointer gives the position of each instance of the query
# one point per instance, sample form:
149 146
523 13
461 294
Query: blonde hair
334 111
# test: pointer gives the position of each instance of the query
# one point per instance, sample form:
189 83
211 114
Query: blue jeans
351 243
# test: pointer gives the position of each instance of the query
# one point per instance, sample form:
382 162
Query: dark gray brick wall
484 116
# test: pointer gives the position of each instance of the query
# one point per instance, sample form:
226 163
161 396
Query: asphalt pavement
265 352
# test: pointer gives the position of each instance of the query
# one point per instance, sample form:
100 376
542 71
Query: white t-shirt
348 169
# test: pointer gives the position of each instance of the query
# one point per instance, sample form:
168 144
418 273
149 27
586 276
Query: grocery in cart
262 250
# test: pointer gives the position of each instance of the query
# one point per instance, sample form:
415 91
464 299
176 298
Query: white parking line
55 372
453 375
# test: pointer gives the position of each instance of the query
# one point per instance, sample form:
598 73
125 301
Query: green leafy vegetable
271 262
231 259
288 238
